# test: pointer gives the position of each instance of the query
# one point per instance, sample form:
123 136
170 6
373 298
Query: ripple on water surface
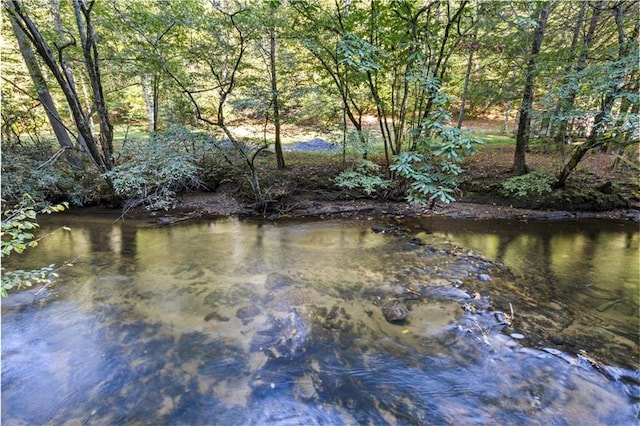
236 322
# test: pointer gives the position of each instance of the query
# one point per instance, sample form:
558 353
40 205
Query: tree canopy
567 71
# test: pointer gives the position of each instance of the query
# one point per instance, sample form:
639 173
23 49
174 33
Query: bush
39 169
432 169
537 182
363 178
151 172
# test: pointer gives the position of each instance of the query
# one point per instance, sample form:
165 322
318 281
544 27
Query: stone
276 280
395 311
216 316
282 338
246 313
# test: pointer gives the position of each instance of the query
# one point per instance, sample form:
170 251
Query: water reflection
242 322
588 270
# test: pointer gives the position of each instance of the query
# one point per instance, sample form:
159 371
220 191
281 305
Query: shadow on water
243 322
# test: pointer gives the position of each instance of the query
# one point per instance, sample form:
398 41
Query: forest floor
306 188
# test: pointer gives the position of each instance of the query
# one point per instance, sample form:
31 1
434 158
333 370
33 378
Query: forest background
134 103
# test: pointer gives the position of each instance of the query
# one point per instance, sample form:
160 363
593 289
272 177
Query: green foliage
433 168
39 169
19 278
358 53
537 182
364 178
17 235
362 142
151 171
22 172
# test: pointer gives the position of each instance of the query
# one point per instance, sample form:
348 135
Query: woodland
132 104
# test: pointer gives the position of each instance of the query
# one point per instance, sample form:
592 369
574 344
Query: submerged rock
246 313
216 316
395 311
445 293
276 280
283 337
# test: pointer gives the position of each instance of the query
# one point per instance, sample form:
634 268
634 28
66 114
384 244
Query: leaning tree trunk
597 137
44 95
524 124
100 151
92 61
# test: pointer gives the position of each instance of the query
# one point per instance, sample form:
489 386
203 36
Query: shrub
432 169
39 169
363 178
151 172
537 182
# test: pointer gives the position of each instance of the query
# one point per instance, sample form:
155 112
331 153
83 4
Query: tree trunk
274 99
92 61
44 95
524 124
149 93
566 104
467 74
102 160
597 138
507 111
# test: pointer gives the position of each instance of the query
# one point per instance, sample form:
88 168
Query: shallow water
248 322
580 280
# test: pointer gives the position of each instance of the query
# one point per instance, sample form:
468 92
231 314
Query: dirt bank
307 188
222 203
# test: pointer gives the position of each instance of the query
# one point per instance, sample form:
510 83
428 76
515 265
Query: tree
567 99
321 32
617 82
148 28
524 123
44 95
275 99
465 88
218 40
99 148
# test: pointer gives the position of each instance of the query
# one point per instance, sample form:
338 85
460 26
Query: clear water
247 322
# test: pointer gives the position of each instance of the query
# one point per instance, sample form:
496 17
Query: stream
249 322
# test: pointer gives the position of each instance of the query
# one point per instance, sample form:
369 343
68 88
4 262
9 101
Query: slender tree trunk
102 160
509 101
155 86
274 97
524 124
149 95
92 61
467 74
44 95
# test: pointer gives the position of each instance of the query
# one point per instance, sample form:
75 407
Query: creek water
243 322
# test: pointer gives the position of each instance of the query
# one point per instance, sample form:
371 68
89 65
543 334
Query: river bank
221 203
307 188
